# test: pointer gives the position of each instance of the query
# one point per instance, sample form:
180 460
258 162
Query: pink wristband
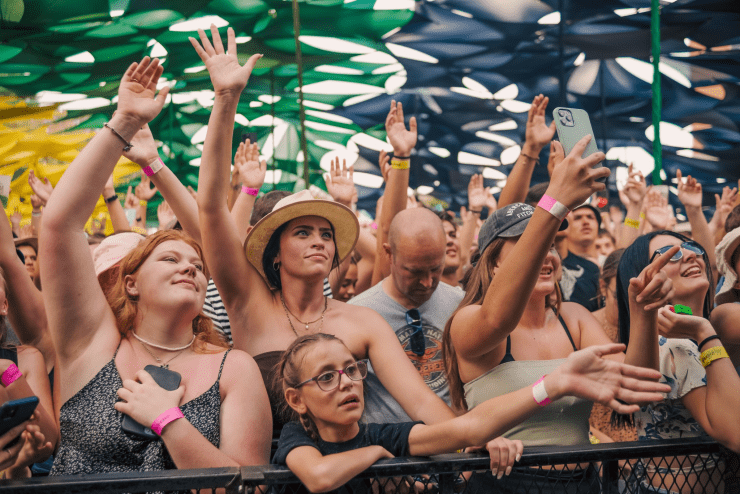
153 168
165 418
539 393
552 206
11 375
250 191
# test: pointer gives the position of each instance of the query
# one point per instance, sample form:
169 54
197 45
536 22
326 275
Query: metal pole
299 61
657 97
272 124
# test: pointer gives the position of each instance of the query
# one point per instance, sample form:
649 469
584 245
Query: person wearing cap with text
510 330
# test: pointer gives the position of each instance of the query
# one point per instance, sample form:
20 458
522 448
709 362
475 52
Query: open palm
227 76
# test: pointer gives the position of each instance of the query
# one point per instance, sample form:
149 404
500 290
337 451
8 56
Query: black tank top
508 357
9 354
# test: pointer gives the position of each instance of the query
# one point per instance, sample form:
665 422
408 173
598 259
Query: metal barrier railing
680 466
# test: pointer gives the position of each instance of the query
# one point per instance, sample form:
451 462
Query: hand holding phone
15 412
573 125
166 379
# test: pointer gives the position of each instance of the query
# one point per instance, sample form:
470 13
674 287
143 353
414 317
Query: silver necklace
287 311
165 365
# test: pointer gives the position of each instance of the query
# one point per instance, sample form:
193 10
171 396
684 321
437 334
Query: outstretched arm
239 284
585 374
397 183
75 304
690 195
251 170
478 329
537 136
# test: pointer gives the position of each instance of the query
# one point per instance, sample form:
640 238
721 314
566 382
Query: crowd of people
423 332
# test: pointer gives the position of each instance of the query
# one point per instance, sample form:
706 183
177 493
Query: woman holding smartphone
153 317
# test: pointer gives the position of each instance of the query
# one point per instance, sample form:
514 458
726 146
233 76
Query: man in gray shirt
415 304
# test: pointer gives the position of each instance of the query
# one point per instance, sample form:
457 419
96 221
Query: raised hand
164 214
144 152
136 92
656 212
538 134
339 182
384 161
477 195
145 190
652 289
574 179
636 188
402 140
41 189
16 218
26 231
689 192
227 76
557 154
131 201
723 207
252 170
587 375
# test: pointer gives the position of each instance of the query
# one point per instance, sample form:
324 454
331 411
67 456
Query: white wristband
539 393
552 206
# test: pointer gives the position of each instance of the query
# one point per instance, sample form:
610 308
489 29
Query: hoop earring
276 266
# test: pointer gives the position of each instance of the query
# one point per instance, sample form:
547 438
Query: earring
276 266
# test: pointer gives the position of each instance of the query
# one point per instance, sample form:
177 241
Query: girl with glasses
327 446
705 396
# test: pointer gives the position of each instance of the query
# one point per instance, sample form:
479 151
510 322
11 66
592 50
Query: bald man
415 304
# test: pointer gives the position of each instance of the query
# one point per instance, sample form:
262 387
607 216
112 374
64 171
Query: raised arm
478 329
25 304
239 284
145 154
75 305
537 136
397 183
252 172
690 195
115 210
634 193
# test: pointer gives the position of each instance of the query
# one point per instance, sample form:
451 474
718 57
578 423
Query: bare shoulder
240 369
29 351
724 314
361 317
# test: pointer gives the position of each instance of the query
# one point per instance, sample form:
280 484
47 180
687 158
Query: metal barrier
617 468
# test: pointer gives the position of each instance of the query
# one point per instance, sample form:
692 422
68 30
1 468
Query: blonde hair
476 288
125 307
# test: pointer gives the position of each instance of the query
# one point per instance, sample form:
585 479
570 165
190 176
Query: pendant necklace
164 365
287 311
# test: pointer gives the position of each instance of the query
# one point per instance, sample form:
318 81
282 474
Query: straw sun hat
724 252
344 221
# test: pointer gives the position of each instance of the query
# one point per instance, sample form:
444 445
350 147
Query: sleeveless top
91 439
9 354
267 363
564 422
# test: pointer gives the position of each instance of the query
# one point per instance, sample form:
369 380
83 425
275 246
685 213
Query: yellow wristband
397 164
711 354
142 203
632 223
642 215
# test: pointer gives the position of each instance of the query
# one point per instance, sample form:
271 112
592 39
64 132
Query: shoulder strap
223 361
565 327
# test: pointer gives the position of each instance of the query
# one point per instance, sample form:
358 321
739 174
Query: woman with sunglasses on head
705 389
511 327
152 317
327 445
272 284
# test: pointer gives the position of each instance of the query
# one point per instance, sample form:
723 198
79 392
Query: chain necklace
164 365
287 311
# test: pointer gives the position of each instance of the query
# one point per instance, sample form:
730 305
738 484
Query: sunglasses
329 381
691 246
417 340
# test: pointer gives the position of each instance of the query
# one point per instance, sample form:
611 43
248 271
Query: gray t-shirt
380 407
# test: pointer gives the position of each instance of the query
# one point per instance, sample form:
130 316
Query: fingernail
518 457
500 475
494 471
508 471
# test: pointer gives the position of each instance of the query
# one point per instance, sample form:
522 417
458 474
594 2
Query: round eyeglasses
329 381
690 246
